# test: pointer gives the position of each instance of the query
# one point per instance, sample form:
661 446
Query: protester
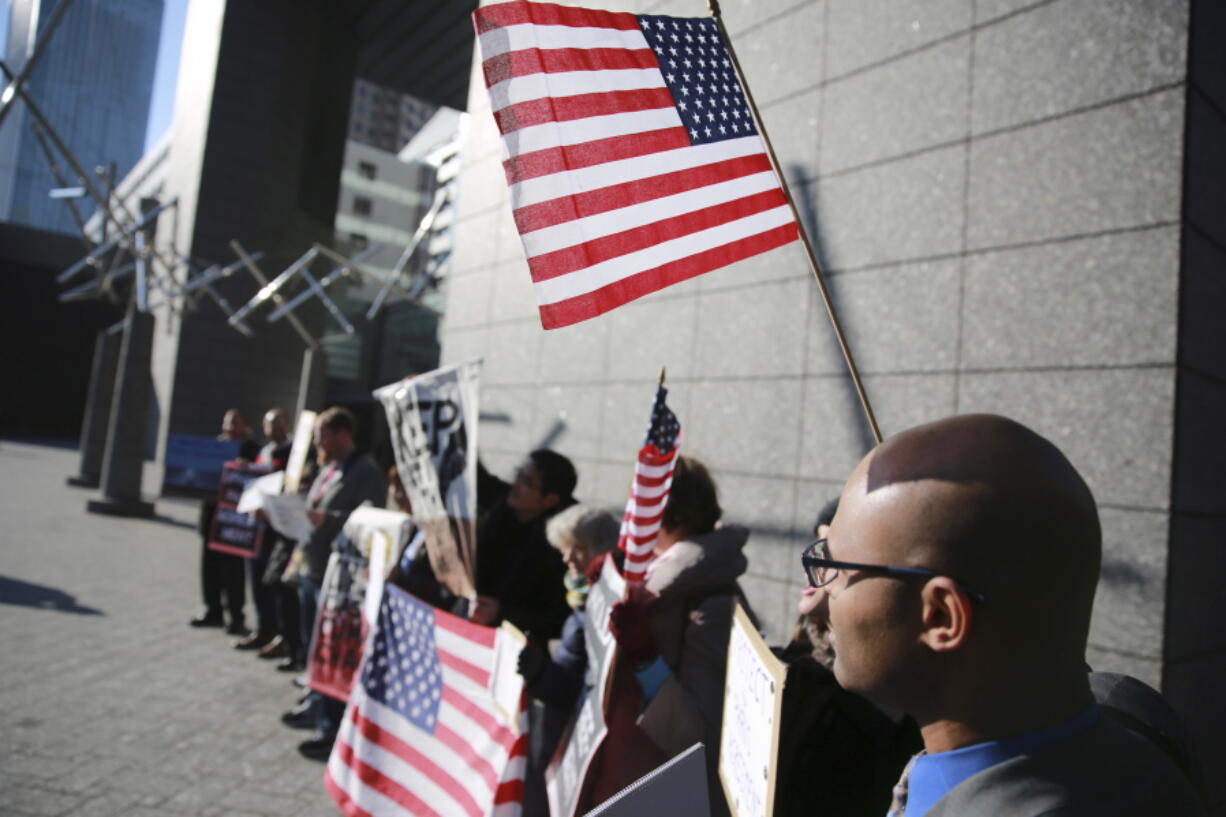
831 740
345 481
583 536
683 618
519 576
273 456
958 578
222 573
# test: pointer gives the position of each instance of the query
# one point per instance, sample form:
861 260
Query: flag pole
814 265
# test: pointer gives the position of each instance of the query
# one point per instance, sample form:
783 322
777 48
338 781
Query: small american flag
422 734
631 154
653 476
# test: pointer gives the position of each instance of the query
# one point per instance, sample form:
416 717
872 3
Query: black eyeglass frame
809 561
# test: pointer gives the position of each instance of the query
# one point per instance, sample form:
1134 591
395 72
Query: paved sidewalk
109 703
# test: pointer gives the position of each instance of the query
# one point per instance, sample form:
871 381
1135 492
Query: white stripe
571 83
472 733
650 491
468 651
642 469
464 685
569 182
366 798
578 131
502 40
599 275
579 231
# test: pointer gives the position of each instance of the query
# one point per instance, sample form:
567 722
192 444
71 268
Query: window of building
367 169
358 241
361 205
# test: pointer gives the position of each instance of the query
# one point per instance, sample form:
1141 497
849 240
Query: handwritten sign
753 701
303 434
565 776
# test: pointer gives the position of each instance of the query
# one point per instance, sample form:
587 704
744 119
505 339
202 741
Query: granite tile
783 56
1128 607
748 426
862 32
512 353
759 331
647 334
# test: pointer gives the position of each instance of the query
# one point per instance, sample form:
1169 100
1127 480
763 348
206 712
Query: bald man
957 579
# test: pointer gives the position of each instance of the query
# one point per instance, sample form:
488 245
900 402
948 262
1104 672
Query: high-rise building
93 82
384 118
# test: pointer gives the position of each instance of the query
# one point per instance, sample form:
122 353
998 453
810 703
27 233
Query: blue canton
664 428
403 671
699 74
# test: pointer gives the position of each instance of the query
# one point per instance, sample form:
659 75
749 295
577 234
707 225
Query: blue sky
161 107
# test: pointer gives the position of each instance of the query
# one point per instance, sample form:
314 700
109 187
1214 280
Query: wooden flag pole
814 265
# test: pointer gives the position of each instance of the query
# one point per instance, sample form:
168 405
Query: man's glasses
821 570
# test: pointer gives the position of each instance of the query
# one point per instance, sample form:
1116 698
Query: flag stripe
611 296
658 256
554 160
348 803
488 724
534 191
587 245
510 14
572 83
564 60
552 136
564 109
534 217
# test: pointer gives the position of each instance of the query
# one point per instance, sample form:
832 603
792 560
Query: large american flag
421 734
631 154
653 477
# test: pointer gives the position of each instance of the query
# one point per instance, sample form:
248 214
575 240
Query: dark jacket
360 480
518 567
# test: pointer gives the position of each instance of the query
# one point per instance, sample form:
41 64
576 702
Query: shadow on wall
26 594
809 223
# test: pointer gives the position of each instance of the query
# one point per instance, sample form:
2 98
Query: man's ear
947 615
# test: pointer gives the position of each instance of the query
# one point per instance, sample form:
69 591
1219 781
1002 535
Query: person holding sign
959 574
583 536
676 626
519 576
223 573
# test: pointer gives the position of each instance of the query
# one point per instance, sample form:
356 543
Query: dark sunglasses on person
821 570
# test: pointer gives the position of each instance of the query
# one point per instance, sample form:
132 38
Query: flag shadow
27 594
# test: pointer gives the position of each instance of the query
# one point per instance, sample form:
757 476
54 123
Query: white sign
749 740
304 434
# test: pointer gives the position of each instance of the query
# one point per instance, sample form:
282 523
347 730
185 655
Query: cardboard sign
304 432
753 702
569 768
433 423
195 463
349 597
233 531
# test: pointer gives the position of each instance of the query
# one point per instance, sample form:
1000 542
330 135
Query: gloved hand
630 625
532 660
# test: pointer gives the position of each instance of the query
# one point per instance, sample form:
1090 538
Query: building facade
1018 207
93 82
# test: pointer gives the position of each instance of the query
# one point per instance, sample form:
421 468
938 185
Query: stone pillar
312 386
128 425
98 406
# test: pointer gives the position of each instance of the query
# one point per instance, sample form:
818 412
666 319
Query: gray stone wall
996 189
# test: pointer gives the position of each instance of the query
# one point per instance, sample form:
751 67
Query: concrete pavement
109 703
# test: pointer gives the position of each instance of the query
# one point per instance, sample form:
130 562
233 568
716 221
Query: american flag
631 154
421 734
653 476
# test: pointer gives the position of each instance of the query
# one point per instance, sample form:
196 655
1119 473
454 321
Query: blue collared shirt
934 775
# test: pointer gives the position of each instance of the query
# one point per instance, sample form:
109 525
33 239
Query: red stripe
391 743
376 780
639 556
484 636
644 521
596 152
589 305
341 798
500 734
580 106
470 671
527 61
511 791
581 205
590 253
547 14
